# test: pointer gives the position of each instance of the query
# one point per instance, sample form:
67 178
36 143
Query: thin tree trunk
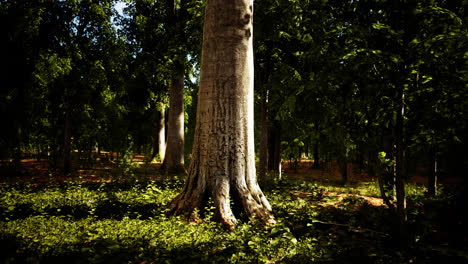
223 157
55 154
399 173
316 155
274 149
17 145
175 151
67 143
343 164
388 142
17 125
174 157
161 136
432 179
263 159
360 160
159 147
377 171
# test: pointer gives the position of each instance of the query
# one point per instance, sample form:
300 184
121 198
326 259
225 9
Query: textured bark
223 157
174 156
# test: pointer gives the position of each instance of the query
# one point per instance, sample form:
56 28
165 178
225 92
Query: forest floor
108 211
106 168
103 169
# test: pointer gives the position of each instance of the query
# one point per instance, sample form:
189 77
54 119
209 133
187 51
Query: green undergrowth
82 222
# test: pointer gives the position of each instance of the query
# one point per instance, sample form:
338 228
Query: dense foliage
81 75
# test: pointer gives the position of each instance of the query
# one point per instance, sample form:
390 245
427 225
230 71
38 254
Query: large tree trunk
263 155
223 158
174 157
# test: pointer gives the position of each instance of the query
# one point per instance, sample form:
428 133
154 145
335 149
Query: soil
105 169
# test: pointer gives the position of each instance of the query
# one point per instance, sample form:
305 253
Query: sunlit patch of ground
335 199
339 197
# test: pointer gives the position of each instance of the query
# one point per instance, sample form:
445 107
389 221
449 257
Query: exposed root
193 207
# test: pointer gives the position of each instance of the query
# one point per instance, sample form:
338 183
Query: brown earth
105 169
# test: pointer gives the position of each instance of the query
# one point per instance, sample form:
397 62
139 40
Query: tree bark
175 151
274 149
223 159
399 172
174 156
159 147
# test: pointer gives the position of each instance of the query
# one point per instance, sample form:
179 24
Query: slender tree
174 157
159 147
223 158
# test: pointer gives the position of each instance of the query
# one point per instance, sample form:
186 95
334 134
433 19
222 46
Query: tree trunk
274 149
399 172
432 179
343 164
17 145
174 156
316 155
67 143
18 121
223 158
263 155
376 168
388 142
159 147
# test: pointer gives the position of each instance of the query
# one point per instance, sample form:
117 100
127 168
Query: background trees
332 79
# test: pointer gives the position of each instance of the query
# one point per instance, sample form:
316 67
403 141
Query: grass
89 222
